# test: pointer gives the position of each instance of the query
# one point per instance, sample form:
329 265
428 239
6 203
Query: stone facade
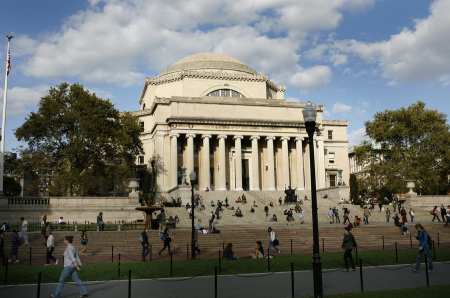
232 126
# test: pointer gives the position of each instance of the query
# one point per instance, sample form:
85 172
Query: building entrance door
245 175
332 180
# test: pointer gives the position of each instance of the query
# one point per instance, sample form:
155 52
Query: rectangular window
359 168
331 157
141 160
330 135
142 126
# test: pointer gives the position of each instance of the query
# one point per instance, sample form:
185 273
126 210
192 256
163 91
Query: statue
290 194
183 175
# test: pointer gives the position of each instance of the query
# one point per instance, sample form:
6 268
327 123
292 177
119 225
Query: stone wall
428 201
70 208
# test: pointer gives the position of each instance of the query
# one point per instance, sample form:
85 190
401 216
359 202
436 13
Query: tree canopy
410 143
84 138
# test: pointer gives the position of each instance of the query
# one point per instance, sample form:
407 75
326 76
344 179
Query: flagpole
2 161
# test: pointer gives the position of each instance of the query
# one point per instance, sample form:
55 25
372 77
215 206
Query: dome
209 61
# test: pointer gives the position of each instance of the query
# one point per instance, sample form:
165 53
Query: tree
11 186
414 144
83 137
354 192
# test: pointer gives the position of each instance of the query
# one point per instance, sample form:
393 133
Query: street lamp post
192 177
309 116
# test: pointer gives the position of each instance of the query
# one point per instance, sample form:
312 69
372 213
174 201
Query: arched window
225 93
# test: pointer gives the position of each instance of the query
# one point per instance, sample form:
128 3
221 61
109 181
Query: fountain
148 214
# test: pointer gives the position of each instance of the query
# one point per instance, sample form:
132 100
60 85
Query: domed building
218 117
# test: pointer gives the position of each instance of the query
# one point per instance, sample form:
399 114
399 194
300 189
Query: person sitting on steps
238 212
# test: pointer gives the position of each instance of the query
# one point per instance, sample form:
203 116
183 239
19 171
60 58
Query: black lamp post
309 116
192 178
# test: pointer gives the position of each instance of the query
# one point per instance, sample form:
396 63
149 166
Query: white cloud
111 40
365 104
326 113
292 99
338 59
340 108
414 55
311 79
356 137
23 100
360 112
347 70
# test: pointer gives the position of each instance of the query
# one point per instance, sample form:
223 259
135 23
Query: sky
357 57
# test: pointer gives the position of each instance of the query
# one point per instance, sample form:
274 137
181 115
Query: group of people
444 212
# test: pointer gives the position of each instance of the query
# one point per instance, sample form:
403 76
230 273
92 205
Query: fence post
215 281
438 240
187 251
151 252
129 283
291 246
383 241
220 263
323 245
396 254
356 249
292 278
434 252
118 274
410 239
426 269
268 262
30 255
361 275
6 272
39 285
112 254
170 264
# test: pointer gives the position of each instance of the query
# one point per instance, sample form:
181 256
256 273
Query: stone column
270 163
206 163
285 158
190 155
255 163
316 161
173 160
321 156
299 149
222 166
238 161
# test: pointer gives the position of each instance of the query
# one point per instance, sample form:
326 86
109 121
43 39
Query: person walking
346 214
300 214
380 204
347 245
272 241
70 268
14 247
50 249
280 200
394 205
84 242
161 219
330 215
100 223
44 231
411 214
266 208
145 244
366 215
166 238
443 213
388 214
435 214
290 217
2 247
196 241
422 236
447 223
336 215
23 231
45 220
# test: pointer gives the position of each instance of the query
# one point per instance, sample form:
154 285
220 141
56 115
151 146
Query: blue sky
357 57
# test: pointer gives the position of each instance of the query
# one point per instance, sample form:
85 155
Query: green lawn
184 268
434 291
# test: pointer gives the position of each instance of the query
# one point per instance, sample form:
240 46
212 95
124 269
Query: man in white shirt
23 232
50 248
330 216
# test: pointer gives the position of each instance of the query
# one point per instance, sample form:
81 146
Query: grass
184 268
434 291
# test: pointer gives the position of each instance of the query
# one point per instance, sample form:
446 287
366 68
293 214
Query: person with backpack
273 241
145 244
161 219
347 245
424 247
14 247
166 239
70 268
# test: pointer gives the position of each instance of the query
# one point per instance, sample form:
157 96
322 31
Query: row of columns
238 156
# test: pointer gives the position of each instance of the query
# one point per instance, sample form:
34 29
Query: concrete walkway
256 285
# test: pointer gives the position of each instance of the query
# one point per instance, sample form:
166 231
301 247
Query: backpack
159 217
141 239
163 238
429 241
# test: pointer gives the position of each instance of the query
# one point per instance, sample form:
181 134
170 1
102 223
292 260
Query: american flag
8 65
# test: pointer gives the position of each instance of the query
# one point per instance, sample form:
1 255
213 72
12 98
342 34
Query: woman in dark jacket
347 245
436 214
228 253
167 241
145 244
